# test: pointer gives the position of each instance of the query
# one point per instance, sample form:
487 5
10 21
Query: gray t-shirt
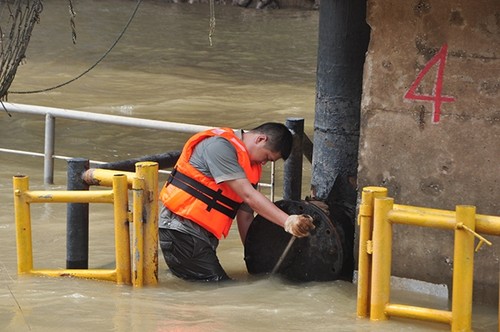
215 157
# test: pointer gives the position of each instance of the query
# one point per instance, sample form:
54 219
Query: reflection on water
261 67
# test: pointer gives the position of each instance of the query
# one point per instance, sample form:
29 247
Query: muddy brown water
261 67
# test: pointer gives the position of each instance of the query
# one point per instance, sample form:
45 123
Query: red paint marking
436 97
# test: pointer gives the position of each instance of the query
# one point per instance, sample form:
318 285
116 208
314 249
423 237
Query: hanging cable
22 16
211 28
72 15
94 65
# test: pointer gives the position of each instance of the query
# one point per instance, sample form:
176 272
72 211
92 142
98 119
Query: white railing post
48 160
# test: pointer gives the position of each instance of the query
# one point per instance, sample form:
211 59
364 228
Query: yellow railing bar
485 224
488 224
70 196
104 177
432 315
422 219
99 274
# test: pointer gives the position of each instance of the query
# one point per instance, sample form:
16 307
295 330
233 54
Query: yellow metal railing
377 213
138 269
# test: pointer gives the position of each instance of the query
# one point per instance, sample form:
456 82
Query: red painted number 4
436 98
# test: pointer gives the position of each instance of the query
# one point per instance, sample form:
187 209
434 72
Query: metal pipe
48 161
272 184
283 255
164 160
77 218
104 118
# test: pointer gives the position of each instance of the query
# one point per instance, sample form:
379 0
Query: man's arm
297 225
244 219
224 167
257 201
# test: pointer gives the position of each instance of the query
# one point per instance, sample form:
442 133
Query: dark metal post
164 160
292 177
77 218
343 41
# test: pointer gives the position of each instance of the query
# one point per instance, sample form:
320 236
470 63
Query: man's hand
299 225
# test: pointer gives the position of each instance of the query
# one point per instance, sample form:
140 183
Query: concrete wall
452 160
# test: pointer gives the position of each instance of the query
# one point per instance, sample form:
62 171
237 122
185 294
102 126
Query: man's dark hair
279 137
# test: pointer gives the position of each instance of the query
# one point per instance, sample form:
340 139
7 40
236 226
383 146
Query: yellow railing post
138 233
104 177
463 269
149 172
122 239
382 258
365 220
23 225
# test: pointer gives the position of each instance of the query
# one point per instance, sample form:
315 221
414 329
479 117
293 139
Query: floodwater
260 67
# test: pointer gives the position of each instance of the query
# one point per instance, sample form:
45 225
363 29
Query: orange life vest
197 197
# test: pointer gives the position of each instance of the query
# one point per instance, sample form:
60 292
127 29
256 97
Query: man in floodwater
213 182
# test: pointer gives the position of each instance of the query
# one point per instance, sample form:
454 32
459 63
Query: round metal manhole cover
317 257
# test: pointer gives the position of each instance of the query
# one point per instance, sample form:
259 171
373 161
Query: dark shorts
189 257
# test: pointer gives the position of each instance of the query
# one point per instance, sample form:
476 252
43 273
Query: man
213 182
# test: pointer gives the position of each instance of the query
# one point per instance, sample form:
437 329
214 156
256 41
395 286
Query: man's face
260 154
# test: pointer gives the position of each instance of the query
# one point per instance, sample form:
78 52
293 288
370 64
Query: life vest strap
212 198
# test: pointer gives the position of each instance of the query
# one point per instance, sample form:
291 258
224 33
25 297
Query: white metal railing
52 113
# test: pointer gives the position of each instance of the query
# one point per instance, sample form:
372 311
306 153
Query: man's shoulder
217 145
